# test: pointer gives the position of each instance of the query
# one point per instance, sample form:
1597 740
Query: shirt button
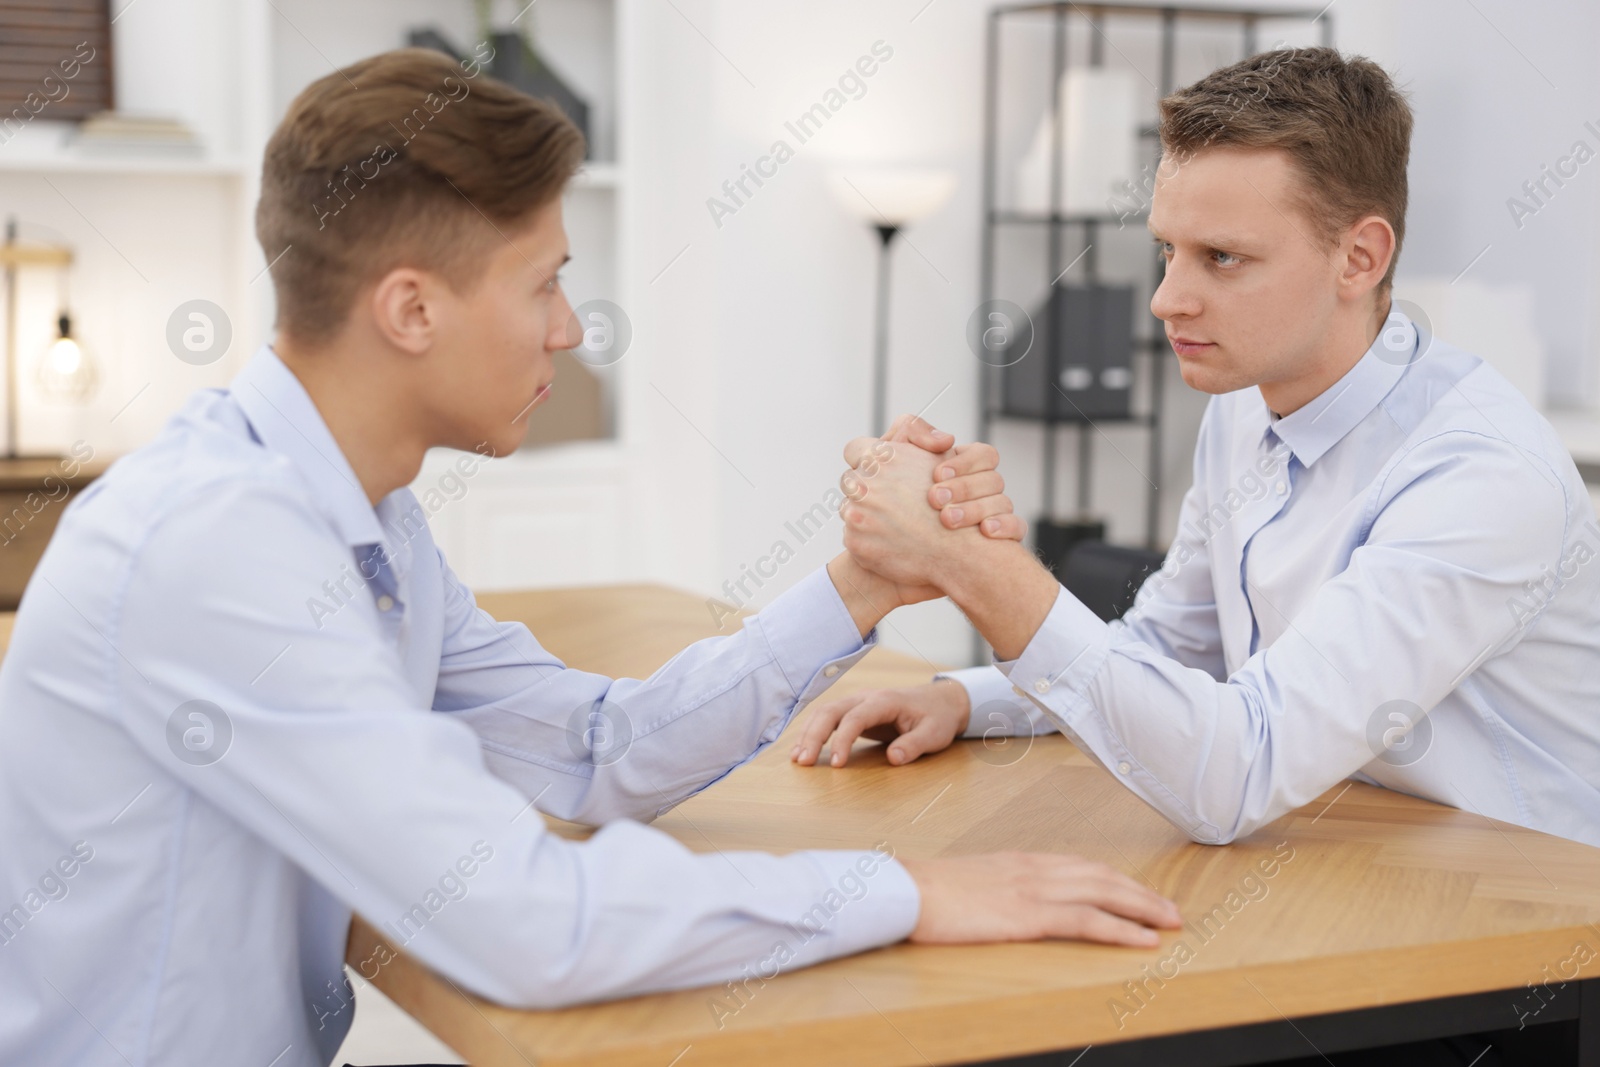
385 602
1124 767
1282 488
1042 686
830 670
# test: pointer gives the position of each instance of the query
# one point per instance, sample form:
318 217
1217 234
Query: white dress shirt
241 702
1396 583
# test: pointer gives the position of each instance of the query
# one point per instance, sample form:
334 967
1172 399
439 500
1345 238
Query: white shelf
51 147
154 164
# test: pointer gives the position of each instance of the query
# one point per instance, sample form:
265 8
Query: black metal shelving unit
1057 222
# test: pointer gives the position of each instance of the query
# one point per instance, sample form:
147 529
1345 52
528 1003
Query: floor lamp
888 199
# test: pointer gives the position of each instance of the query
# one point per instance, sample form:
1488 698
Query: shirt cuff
872 901
811 635
1066 653
998 710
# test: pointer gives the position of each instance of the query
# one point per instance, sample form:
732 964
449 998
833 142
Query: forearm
595 748
1003 591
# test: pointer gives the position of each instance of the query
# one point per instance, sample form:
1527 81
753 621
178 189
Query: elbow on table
1223 827
538 981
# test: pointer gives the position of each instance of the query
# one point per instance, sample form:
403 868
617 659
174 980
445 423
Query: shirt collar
1319 425
287 422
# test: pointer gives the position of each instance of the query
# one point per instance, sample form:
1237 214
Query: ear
405 308
1368 248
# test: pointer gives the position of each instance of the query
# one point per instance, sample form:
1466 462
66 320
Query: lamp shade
892 196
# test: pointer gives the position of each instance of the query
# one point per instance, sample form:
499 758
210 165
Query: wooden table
1392 919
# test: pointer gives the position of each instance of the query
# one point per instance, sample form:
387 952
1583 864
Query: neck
384 451
1342 348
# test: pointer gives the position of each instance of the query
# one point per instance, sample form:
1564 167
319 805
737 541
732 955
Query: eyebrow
1225 240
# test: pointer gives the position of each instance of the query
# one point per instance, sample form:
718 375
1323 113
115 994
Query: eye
1163 249
1219 257
552 283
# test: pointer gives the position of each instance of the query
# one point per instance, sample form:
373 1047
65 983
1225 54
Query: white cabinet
549 517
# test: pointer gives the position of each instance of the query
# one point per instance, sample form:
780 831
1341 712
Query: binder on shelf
1080 368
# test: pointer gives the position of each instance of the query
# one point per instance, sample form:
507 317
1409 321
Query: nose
1174 298
563 331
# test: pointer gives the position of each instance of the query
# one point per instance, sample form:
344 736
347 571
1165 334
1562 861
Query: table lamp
66 372
888 198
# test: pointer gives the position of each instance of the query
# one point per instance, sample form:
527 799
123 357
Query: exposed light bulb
67 373
65 357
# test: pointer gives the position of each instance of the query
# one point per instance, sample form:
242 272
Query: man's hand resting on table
913 721
1029 896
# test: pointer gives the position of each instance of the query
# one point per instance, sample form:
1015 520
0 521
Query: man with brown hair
246 696
1385 567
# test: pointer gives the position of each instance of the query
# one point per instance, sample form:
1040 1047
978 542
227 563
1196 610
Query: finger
968 487
1005 527
918 431
926 736
859 449
1088 923
1113 891
868 713
820 722
893 433
967 459
1145 906
960 516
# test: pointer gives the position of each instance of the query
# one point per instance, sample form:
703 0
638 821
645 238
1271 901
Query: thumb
916 430
927 736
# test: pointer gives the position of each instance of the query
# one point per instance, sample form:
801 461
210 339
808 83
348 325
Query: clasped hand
916 502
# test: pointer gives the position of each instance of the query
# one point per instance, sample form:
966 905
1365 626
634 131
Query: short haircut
1341 120
407 158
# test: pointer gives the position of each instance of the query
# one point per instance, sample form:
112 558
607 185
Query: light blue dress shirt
1397 583
217 739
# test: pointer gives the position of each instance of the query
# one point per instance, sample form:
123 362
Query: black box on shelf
1086 375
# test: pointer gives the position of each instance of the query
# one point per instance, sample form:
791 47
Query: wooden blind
59 51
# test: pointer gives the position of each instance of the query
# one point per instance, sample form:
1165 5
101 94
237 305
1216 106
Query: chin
509 438
1199 377
497 440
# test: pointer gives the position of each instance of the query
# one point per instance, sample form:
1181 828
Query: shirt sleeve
593 749
1175 613
327 755
1461 523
